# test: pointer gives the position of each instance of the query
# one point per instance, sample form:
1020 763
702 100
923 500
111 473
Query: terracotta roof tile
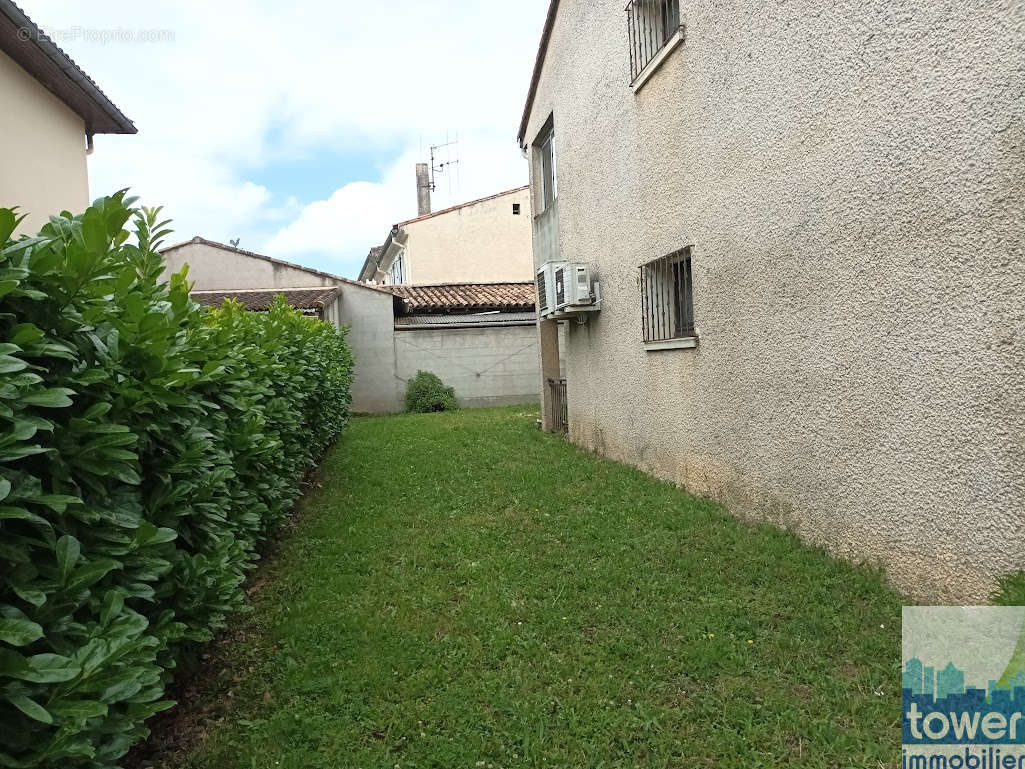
262 299
465 297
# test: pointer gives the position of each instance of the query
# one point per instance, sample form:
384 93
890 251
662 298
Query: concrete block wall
486 366
369 316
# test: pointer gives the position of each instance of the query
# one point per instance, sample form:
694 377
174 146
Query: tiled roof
465 297
466 320
260 300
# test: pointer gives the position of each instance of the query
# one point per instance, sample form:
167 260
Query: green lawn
465 591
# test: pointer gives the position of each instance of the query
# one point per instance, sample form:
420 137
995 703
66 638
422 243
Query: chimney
423 189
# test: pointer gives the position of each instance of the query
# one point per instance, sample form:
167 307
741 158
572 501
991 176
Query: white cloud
244 84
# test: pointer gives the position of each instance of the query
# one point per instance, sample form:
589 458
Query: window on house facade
667 298
398 271
549 178
652 25
516 209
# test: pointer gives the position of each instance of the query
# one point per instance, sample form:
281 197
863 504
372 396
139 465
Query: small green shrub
146 447
1011 590
426 393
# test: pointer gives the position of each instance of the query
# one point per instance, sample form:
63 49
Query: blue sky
296 127
317 172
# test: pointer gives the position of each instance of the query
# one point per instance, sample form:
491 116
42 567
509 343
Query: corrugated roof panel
466 297
468 320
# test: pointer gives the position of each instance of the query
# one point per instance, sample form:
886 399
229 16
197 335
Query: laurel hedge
146 447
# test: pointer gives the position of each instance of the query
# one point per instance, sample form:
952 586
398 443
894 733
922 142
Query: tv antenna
438 167
235 242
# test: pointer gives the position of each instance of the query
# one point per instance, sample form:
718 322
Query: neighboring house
218 272
51 111
480 338
465 278
806 221
483 241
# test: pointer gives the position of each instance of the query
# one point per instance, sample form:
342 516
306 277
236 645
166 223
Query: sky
296 126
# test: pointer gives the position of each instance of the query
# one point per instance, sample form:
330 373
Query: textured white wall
43 170
486 366
850 175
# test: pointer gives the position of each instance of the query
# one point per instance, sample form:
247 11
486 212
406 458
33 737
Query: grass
464 591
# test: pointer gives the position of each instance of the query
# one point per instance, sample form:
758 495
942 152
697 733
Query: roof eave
110 119
535 79
467 204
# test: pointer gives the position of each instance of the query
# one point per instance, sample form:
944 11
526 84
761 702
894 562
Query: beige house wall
215 269
852 179
43 171
483 242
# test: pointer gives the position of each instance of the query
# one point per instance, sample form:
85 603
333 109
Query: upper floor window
653 24
549 190
667 298
398 271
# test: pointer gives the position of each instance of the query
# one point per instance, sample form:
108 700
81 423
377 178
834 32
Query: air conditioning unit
566 288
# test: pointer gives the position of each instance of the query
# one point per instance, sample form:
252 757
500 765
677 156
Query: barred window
549 177
652 24
398 271
667 297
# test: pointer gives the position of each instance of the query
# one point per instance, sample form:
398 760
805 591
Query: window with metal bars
398 271
652 24
549 177
667 297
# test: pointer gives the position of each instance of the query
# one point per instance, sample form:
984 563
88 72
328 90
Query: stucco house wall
478 242
484 242
490 366
44 166
850 177
217 268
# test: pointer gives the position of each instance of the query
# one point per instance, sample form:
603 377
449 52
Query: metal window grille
667 297
398 271
560 287
651 24
560 409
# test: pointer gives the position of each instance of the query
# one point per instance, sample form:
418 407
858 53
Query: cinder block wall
368 314
486 366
